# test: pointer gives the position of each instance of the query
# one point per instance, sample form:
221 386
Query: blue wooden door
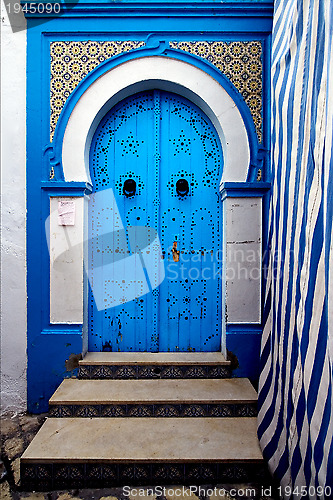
155 228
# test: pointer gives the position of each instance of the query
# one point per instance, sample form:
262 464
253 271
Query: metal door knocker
182 187
129 187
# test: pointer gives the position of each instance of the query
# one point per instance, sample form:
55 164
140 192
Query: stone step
145 365
103 452
154 398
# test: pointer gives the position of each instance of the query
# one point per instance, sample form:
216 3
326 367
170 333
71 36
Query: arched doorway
155 227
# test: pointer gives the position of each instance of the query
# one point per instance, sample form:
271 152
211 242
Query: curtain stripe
295 422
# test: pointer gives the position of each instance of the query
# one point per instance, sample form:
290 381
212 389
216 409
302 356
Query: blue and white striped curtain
296 383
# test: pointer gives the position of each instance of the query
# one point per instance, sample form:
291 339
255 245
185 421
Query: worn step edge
147 358
150 440
164 391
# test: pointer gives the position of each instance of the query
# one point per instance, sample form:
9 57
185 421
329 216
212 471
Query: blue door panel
190 150
156 139
120 150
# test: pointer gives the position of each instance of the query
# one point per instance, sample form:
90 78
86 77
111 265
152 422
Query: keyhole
182 187
129 187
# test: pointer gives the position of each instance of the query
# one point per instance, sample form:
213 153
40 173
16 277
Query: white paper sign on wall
66 213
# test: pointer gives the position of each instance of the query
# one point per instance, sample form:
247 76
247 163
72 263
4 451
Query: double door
155 228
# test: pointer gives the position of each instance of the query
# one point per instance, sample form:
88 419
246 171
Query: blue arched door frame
52 183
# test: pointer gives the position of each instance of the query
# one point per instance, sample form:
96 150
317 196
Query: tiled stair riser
149 371
43 477
155 410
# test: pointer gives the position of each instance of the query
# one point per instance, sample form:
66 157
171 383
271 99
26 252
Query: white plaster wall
243 221
66 264
13 218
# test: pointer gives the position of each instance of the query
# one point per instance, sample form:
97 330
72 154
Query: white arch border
146 73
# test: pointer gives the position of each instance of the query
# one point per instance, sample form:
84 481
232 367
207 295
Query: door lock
175 252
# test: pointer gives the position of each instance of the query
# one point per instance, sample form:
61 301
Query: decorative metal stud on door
157 160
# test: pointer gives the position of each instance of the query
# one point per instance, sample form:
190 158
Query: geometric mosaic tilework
71 62
241 63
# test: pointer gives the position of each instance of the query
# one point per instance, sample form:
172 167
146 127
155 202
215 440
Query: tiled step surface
146 358
131 365
79 452
154 398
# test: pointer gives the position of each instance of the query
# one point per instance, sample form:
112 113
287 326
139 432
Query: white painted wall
13 218
243 229
66 263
